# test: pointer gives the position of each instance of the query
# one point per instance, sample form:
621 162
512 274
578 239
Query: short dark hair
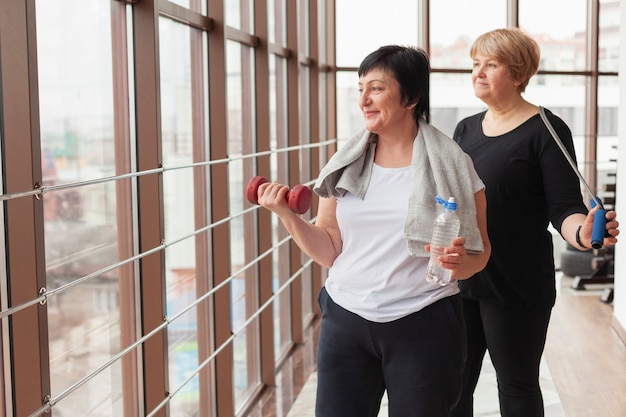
411 68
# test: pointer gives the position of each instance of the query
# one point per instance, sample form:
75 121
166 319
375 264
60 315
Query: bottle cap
450 204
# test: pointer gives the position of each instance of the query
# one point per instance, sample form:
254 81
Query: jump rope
599 219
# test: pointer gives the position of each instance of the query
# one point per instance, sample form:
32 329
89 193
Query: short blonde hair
512 47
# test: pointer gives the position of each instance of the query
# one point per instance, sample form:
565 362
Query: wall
620 204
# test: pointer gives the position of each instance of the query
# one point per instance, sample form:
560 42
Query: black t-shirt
529 183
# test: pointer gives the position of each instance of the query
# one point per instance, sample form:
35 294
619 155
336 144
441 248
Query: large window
453 25
142 282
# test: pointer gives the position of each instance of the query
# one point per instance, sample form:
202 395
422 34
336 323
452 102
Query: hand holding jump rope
599 231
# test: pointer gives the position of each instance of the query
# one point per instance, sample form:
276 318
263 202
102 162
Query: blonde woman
528 184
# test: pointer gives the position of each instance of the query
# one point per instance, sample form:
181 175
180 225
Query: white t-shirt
374 276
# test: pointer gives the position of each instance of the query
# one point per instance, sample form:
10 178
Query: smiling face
492 81
381 102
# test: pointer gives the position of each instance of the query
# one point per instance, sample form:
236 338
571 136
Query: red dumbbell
298 198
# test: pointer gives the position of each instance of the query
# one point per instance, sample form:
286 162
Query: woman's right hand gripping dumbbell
320 240
278 197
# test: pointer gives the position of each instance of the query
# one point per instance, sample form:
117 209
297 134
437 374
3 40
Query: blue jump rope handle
599 226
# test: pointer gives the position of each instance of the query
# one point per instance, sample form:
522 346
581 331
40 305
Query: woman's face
381 101
491 80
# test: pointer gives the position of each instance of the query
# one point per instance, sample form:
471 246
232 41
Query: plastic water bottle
446 228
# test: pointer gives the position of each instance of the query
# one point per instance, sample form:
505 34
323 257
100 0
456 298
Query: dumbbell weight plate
299 198
252 189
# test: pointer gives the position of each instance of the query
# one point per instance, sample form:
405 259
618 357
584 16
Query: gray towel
438 168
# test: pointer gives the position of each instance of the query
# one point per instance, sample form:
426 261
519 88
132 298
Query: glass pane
373 26
349 117
609 38
450 34
563 44
76 110
195 5
451 99
304 41
240 14
277 21
233 14
323 28
183 3
178 190
271 21
608 103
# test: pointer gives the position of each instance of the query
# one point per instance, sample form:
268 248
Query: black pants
515 338
418 359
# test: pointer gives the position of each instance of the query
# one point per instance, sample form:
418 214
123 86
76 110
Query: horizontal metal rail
41 189
44 294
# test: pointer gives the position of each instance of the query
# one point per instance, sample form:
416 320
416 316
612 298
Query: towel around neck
438 168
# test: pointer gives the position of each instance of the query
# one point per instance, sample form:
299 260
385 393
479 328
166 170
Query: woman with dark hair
529 184
384 327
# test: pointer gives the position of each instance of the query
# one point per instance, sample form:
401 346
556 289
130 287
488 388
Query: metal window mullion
293 137
248 138
23 229
313 281
201 215
150 199
262 222
219 189
125 213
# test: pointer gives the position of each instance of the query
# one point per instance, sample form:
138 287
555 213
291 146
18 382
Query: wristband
578 238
